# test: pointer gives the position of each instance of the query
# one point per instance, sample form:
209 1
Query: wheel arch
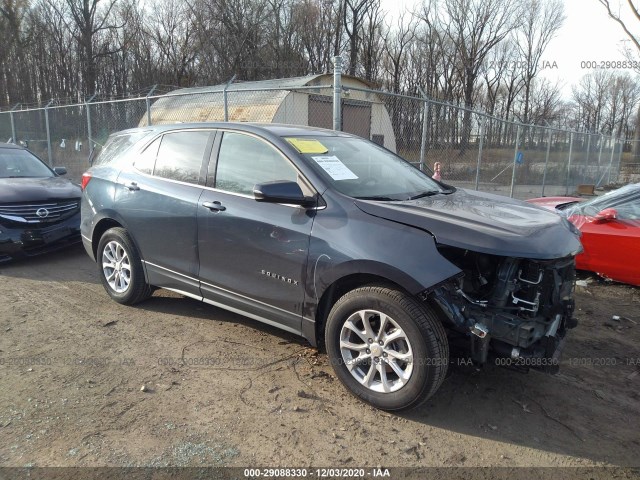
339 287
102 226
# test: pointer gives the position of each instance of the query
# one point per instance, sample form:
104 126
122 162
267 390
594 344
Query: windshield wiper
377 197
428 193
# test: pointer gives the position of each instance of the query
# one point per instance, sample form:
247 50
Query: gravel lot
222 390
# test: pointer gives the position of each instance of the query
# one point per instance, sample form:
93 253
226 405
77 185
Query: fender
400 253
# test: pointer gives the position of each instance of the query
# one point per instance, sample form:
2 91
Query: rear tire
386 347
120 268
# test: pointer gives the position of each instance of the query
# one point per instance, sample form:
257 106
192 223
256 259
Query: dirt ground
223 390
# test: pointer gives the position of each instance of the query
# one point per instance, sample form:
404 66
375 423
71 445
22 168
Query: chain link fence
475 150
485 153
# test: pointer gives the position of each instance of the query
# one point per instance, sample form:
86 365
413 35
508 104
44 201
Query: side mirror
281 191
60 170
606 215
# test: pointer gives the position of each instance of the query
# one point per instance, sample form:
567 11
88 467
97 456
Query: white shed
285 100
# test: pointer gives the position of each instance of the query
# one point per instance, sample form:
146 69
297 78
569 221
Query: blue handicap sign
520 158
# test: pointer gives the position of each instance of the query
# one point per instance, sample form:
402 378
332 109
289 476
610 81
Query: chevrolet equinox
334 238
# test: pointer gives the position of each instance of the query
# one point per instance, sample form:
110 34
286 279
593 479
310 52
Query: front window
244 161
361 169
15 163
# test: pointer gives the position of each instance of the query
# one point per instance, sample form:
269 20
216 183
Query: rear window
114 147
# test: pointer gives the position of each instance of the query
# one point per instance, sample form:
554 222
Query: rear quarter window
115 147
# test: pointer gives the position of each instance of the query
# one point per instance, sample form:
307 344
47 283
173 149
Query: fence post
149 104
46 123
569 162
599 157
546 162
225 99
610 162
515 161
586 163
337 92
14 138
613 149
483 125
619 159
425 124
89 132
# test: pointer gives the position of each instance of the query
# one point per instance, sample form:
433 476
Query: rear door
157 198
253 255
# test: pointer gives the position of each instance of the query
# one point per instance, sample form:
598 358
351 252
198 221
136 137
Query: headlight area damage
513 308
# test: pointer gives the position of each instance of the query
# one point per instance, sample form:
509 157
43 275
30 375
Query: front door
253 255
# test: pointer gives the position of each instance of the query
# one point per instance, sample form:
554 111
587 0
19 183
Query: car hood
550 203
35 189
483 222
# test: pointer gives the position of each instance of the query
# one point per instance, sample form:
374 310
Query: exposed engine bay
518 309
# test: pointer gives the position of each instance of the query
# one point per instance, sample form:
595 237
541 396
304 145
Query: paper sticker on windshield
335 168
307 145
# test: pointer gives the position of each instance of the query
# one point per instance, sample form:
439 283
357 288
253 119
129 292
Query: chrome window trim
218 190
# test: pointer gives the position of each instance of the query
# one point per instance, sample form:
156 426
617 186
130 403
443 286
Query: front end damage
517 310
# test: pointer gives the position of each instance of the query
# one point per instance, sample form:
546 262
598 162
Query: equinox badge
279 277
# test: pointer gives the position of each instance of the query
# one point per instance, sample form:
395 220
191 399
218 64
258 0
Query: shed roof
247 101
285 83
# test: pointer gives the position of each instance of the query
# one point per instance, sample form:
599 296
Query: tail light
86 178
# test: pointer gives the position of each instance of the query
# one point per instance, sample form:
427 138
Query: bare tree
231 37
355 12
494 72
373 43
15 40
591 97
313 20
546 101
615 14
396 48
87 20
434 57
475 28
172 29
541 21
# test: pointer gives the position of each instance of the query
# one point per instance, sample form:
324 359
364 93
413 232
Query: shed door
320 111
356 118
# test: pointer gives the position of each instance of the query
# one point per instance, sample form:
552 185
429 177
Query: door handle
214 206
132 187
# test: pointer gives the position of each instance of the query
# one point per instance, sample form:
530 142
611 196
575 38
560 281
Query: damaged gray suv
336 239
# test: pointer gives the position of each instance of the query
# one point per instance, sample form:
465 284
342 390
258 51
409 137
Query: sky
588 34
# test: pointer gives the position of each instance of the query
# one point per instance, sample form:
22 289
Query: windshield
15 163
629 194
361 169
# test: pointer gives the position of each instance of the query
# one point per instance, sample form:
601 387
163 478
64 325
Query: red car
610 226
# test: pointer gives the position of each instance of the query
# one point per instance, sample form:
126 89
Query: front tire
120 268
386 347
